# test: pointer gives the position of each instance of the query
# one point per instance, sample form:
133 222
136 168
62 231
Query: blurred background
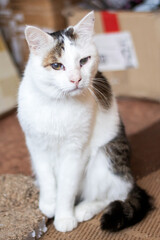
127 35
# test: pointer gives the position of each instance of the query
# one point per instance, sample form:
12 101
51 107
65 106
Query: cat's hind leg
108 177
100 187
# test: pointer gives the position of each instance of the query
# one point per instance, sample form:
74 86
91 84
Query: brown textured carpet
142 121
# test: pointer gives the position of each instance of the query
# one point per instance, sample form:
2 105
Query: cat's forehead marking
59 38
59 47
56 52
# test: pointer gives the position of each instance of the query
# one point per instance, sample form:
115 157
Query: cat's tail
120 214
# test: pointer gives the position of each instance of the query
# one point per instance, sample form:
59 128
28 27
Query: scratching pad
20 218
148 229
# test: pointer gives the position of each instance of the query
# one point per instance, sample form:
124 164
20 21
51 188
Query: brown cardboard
145 31
9 80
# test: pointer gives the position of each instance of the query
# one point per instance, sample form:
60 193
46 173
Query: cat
73 131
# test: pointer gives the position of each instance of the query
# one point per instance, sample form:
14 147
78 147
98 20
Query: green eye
83 61
57 66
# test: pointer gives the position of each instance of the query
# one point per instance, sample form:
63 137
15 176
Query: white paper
116 51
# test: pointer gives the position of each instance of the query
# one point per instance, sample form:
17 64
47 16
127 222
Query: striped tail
120 214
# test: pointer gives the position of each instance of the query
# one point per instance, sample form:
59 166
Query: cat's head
63 63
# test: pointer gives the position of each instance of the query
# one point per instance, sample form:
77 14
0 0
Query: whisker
101 84
98 91
93 94
102 79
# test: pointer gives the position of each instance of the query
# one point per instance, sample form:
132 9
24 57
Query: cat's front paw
48 209
65 224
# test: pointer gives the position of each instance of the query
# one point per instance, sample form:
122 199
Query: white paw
65 224
84 212
48 209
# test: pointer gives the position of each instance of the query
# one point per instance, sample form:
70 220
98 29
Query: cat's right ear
37 39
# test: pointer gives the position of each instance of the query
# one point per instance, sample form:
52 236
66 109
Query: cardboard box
9 80
16 14
143 81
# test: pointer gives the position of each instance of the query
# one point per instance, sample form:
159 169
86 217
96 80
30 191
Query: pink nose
76 82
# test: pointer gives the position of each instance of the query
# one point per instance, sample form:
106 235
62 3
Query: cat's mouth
75 90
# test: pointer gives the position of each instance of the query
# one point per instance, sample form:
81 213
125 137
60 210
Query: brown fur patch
54 55
118 151
49 59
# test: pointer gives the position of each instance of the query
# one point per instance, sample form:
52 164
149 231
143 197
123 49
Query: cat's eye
57 66
83 61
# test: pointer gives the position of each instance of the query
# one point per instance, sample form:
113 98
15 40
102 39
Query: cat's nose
76 82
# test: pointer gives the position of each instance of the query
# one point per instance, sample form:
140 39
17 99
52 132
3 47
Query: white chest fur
61 119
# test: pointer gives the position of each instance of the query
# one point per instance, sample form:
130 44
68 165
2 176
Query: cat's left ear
85 28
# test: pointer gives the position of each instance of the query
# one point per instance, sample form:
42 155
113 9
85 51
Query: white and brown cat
78 147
